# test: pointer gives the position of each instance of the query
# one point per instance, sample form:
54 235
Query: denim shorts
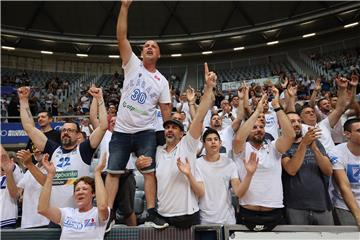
123 144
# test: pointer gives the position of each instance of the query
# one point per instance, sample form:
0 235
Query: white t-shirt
347 161
30 217
142 92
9 206
175 196
69 167
159 121
226 119
325 137
266 186
82 225
271 124
216 206
85 102
337 132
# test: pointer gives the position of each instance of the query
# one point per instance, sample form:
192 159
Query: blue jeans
123 144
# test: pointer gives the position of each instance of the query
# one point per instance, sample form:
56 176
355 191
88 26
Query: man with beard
177 201
72 160
306 167
261 208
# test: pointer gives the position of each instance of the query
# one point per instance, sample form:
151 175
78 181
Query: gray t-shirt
307 190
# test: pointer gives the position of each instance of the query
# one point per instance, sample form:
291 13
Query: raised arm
244 131
240 188
348 196
97 135
345 96
206 102
190 95
25 158
240 110
8 165
121 32
100 192
44 207
93 114
315 92
284 142
290 98
197 187
37 137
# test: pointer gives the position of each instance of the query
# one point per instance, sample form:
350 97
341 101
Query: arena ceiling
186 27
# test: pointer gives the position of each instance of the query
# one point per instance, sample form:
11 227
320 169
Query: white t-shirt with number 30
142 92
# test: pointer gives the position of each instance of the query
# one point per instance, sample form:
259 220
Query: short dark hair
73 122
47 112
210 131
88 180
214 114
348 124
320 100
306 105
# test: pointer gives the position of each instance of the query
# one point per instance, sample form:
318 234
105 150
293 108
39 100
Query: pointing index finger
206 68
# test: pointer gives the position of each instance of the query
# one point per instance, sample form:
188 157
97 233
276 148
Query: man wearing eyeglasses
72 160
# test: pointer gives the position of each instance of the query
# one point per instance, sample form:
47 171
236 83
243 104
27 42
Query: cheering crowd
287 161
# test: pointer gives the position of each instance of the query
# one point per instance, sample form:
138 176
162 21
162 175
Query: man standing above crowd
306 167
261 208
144 88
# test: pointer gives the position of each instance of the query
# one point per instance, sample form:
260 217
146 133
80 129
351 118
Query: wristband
278 109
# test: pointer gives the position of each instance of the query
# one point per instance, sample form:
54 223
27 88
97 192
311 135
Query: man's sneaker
111 221
155 221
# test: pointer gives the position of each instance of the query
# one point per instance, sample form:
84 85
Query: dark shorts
123 144
261 221
124 200
184 221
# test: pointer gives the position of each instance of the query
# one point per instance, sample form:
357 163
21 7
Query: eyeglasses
70 130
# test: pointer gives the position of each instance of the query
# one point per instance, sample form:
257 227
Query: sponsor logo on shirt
89 222
73 224
353 173
65 177
132 108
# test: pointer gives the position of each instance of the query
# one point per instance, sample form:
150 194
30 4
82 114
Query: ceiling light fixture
272 43
176 55
207 52
309 35
7 48
239 48
81 55
46 52
351 25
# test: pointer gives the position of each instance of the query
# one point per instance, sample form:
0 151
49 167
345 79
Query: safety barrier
201 232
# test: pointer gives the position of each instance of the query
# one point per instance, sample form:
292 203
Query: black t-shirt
308 189
52 135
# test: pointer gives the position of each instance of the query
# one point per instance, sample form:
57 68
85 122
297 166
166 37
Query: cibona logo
4 133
